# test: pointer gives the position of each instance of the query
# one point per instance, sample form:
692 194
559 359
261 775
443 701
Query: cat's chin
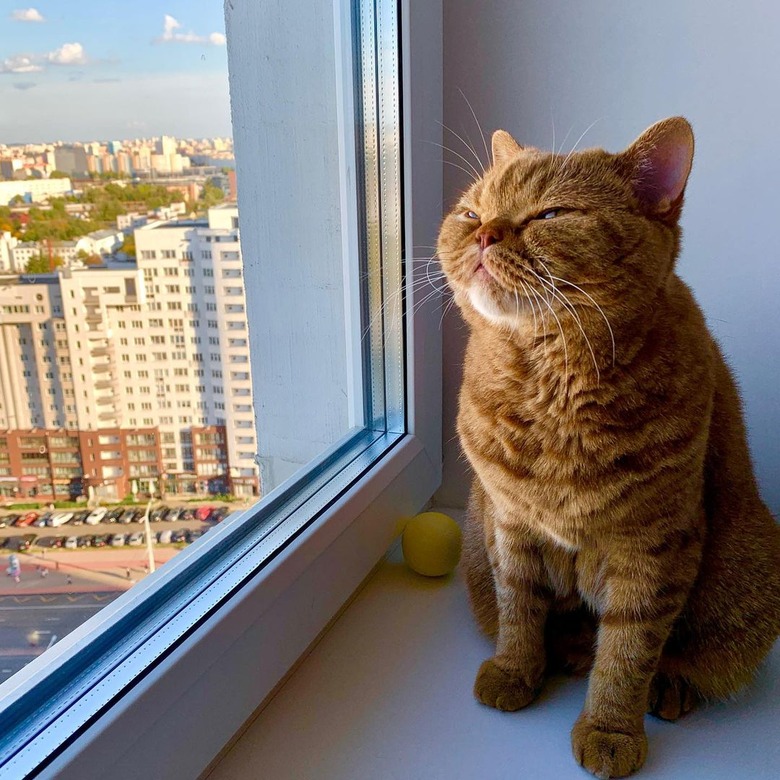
498 306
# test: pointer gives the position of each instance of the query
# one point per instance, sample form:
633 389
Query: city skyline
112 70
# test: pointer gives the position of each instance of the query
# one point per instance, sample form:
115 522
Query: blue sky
97 70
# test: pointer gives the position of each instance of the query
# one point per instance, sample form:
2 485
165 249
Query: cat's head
543 231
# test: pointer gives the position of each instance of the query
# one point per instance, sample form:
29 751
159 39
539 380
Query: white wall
624 65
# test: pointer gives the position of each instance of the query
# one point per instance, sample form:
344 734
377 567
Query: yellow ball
431 543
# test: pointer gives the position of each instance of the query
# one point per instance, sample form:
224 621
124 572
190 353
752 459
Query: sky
83 70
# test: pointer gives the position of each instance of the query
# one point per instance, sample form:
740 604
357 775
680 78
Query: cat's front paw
605 753
504 690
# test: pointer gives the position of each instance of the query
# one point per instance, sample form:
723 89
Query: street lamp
148 530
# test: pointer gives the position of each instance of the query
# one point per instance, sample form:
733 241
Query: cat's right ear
658 164
504 147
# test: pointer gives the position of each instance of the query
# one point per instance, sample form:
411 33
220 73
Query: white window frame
177 718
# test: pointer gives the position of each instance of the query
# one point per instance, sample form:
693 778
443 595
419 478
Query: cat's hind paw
671 697
607 754
504 690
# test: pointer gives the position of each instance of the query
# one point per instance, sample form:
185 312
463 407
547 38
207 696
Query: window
361 440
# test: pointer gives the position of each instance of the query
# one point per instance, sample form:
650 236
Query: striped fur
611 501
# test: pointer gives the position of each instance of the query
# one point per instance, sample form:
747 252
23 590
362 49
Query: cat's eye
549 214
472 215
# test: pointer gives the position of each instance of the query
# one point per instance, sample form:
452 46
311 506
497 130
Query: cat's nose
489 234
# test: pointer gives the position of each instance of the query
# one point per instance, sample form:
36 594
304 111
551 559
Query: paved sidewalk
80 571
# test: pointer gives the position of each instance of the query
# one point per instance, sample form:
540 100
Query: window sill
209 685
387 693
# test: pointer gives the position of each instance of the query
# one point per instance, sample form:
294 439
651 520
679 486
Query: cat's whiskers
596 305
392 299
479 126
569 307
449 305
460 168
476 173
577 143
467 145
548 304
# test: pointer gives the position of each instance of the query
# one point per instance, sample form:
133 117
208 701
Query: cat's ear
659 162
504 147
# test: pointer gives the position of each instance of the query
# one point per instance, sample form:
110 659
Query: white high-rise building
161 344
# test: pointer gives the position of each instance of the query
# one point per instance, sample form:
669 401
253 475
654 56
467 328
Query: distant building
33 190
71 159
9 166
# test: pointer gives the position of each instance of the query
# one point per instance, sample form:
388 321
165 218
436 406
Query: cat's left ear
504 147
659 162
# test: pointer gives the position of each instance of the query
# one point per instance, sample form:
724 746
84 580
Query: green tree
39 264
128 245
59 175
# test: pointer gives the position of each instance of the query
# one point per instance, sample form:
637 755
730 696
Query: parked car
60 519
4 542
80 517
164 537
202 512
26 541
29 518
71 543
86 541
158 513
219 514
96 516
187 514
138 515
173 514
58 541
101 540
127 516
14 519
3 522
180 535
43 520
118 540
194 534
136 539
113 515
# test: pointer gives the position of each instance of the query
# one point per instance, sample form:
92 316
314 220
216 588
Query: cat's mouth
481 272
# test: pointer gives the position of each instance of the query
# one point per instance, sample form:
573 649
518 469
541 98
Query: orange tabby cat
613 485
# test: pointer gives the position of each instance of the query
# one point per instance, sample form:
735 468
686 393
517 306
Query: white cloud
20 63
68 54
171 35
27 15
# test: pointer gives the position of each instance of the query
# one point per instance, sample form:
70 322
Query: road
30 622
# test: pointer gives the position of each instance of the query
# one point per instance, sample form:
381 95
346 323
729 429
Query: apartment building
158 346
33 190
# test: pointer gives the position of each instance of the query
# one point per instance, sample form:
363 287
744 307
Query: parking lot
106 528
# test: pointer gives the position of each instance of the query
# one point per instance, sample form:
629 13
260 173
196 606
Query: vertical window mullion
389 116
372 233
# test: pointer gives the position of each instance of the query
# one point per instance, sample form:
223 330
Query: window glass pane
161 357
125 370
